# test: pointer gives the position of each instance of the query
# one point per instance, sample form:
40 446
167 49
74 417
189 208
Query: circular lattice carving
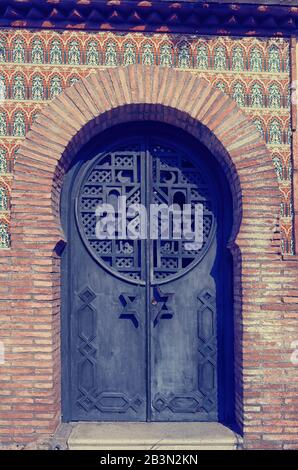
172 177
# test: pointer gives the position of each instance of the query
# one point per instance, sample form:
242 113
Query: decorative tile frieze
37 66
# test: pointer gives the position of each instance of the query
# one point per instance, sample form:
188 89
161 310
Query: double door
140 304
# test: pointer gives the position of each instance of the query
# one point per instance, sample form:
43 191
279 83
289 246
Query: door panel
108 318
108 346
141 314
183 363
183 366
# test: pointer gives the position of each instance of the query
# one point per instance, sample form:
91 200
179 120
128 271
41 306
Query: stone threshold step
152 436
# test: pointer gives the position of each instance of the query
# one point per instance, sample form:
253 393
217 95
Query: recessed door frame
225 322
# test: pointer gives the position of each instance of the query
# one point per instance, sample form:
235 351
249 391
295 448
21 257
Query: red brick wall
265 285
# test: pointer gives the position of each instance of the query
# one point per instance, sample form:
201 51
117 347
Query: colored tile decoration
37 66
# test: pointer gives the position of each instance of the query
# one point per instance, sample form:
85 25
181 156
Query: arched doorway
147 324
136 93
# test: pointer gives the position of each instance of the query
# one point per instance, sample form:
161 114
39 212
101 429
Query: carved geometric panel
108 402
87 363
176 181
113 174
190 403
89 396
207 348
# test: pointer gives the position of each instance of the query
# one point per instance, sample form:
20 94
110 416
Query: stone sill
152 436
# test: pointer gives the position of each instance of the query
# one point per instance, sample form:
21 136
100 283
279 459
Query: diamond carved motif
184 403
87 364
207 349
108 402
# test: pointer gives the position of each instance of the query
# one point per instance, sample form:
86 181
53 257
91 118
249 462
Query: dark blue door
140 315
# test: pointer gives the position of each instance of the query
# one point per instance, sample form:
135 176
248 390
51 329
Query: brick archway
105 98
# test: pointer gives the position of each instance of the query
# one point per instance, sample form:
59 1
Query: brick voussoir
103 87
49 129
215 102
45 146
222 106
77 100
83 90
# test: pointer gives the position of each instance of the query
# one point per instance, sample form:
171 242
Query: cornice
271 18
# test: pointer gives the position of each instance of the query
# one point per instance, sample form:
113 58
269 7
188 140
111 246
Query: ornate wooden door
140 314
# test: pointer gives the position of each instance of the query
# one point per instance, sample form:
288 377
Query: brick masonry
265 282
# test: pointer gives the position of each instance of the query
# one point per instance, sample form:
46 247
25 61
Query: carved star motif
161 309
129 311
